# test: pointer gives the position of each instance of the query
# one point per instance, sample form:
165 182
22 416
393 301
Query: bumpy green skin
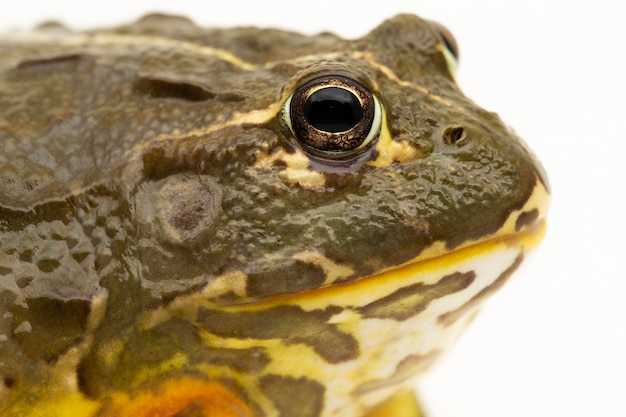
81 177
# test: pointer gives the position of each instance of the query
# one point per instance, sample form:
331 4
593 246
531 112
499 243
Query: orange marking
179 397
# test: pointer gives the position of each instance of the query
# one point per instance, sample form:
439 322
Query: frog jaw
438 297
401 320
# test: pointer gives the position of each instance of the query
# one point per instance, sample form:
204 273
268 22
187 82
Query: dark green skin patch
298 276
151 348
525 219
288 323
54 326
294 397
413 299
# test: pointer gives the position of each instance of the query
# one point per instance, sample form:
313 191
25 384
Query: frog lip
528 220
528 238
525 227
519 242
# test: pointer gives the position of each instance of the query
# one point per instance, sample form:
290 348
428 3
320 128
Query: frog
246 222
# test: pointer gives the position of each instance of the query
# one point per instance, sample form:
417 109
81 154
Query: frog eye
333 116
451 48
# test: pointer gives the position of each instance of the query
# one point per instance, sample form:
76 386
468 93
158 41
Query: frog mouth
519 234
499 252
524 226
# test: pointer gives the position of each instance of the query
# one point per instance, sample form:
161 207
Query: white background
553 342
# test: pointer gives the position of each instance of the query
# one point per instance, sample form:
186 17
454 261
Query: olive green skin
81 174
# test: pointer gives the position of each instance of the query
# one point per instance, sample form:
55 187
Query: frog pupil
333 109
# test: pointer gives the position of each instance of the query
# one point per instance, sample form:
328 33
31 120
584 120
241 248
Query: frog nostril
455 135
9 382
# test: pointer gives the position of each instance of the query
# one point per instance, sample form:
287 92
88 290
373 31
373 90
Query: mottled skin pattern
168 248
